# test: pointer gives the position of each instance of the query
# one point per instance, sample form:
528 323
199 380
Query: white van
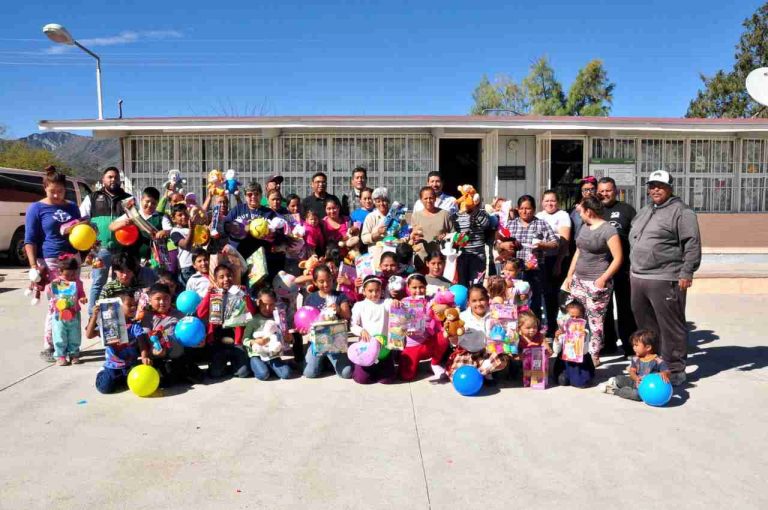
18 189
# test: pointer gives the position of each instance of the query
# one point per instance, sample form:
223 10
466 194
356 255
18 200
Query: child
369 318
231 310
181 235
470 347
530 335
149 212
66 294
571 373
646 361
159 320
120 358
421 345
435 267
201 280
126 270
333 302
404 257
166 278
313 233
366 206
497 289
264 351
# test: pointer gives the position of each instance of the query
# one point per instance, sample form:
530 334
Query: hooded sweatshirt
664 242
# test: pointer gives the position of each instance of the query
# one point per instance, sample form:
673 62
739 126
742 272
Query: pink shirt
334 235
313 236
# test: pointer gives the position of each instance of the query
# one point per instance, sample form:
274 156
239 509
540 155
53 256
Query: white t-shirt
199 283
475 331
184 256
556 221
445 202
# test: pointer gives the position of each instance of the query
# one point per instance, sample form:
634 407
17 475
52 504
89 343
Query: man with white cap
665 251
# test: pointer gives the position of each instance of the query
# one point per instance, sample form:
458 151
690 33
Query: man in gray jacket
665 251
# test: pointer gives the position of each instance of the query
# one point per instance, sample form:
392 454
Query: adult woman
45 237
588 188
554 274
435 223
334 225
598 257
535 236
373 229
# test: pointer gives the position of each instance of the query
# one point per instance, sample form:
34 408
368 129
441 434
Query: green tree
591 93
725 93
502 94
542 90
20 155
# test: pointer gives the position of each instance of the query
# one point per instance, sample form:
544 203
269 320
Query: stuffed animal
308 266
232 185
284 286
38 279
469 198
272 347
452 324
442 301
396 284
216 183
175 181
352 237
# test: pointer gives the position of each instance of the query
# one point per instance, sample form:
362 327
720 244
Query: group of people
548 265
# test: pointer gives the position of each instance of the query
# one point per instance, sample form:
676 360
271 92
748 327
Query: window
21 187
611 150
754 166
84 190
710 175
69 193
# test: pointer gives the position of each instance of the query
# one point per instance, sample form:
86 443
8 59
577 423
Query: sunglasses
588 190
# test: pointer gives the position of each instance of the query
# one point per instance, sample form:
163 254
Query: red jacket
203 309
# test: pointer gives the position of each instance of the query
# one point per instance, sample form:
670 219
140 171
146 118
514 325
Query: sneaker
47 356
609 387
75 360
62 362
678 378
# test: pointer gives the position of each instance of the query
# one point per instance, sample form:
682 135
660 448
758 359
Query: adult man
665 252
243 213
359 182
444 201
274 182
620 215
316 201
103 207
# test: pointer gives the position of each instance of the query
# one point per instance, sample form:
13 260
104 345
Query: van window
21 188
84 190
70 194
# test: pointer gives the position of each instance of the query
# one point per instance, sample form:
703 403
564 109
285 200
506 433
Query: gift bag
257 267
535 367
574 339
236 312
329 337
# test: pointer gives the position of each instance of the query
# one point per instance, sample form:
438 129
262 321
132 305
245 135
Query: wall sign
512 173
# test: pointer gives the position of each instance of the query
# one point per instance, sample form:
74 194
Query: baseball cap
661 176
275 178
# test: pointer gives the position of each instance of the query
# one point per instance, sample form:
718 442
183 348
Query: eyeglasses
320 182
655 185
251 194
587 191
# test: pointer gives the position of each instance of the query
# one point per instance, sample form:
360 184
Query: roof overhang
532 124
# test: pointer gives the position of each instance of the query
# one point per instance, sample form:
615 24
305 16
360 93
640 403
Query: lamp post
59 34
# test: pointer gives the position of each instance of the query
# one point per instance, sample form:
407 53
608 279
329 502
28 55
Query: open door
489 179
543 162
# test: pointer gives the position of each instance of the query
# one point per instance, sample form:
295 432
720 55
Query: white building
719 166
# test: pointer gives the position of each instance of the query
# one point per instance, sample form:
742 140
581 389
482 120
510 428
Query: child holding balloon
369 321
330 300
159 320
66 294
644 362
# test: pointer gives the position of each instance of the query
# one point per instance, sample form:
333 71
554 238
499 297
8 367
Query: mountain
86 155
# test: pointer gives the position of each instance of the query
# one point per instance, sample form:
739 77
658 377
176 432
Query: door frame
488 156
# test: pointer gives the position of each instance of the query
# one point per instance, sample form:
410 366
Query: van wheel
16 253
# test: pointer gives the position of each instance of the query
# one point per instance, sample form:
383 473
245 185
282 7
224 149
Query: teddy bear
266 342
442 301
352 237
469 198
452 324
308 266
38 279
284 286
216 183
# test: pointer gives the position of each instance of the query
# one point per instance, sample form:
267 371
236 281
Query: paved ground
330 443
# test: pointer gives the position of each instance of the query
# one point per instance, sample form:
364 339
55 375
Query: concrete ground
331 443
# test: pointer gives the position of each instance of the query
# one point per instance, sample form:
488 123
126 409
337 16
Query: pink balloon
304 317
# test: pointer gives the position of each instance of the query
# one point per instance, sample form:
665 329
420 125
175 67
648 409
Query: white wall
524 153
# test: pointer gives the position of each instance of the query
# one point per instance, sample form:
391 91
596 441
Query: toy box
535 367
112 327
574 339
329 336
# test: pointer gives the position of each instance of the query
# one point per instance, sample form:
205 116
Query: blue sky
333 57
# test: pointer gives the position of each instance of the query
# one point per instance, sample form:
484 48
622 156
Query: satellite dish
757 85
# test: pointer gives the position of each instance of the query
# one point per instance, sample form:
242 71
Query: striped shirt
474 224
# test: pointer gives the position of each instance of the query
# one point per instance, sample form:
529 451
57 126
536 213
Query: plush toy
396 284
352 237
232 185
452 324
175 181
442 301
38 279
216 183
469 198
284 286
258 228
308 266
270 332
503 235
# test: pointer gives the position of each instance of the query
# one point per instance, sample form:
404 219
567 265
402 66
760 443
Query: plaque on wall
512 173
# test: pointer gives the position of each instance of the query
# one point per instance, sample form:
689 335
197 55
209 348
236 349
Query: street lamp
60 35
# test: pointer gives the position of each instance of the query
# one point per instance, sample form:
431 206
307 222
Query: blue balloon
187 302
654 391
189 331
460 295
467 380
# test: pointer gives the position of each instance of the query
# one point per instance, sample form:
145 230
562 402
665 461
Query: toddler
313 233
262 340
369 318
66 294
572 373
644 362
159 320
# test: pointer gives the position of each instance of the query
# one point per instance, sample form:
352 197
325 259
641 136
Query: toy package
502 330
350 272
64 298
364 265
112 327
257 267
574 338
394 221
410 316
235 310
281 318
216 309
329 336
535 367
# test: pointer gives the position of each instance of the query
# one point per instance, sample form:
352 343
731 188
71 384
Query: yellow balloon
143 380
259 228
61 304
82 237
201 235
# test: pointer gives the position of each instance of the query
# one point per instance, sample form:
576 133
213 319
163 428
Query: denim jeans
338 360
99 277
261 368
66 337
